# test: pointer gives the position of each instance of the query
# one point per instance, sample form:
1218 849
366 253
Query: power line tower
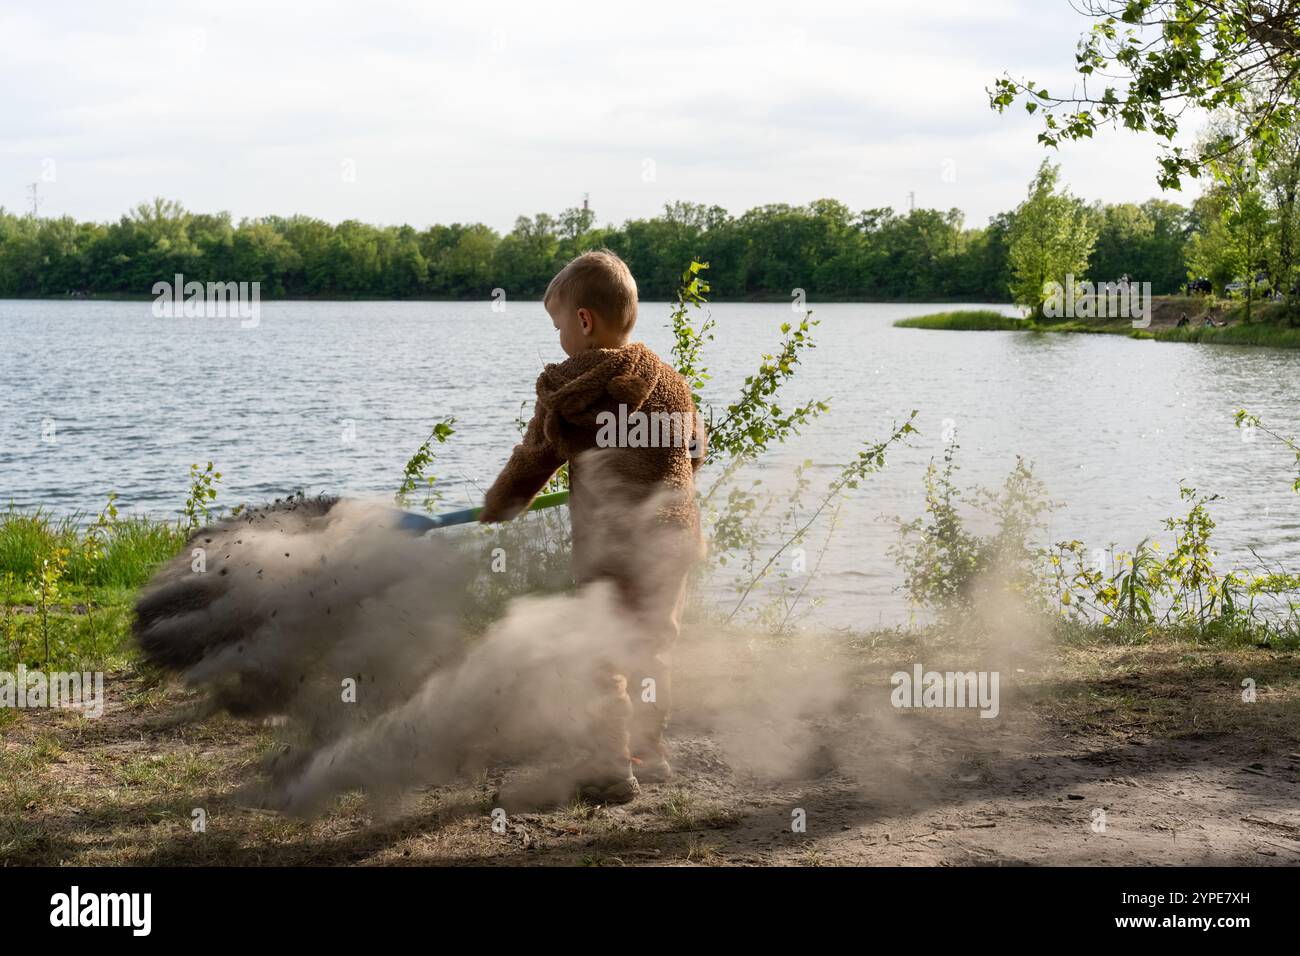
585 204
911 199
34 189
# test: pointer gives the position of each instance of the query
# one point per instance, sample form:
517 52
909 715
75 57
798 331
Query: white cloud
487 111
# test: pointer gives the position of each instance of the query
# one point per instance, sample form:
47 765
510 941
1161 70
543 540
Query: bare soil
1156 737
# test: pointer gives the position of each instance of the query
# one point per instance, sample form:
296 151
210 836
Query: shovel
419 524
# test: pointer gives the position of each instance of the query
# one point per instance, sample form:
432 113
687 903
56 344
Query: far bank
1197 318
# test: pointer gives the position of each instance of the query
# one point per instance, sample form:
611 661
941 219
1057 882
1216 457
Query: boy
631 502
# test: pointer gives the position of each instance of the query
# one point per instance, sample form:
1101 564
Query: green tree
1144 63
466 267
1235 239
1208 252
1248 230
1051 239
259 253
526 256
1281 186
20 254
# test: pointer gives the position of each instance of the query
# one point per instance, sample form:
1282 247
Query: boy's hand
488 515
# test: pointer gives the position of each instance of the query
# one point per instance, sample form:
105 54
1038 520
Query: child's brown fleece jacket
570 397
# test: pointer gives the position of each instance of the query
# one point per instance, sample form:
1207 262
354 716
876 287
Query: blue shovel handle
413 521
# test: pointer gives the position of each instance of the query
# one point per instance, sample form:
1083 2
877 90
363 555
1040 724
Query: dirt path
1151 737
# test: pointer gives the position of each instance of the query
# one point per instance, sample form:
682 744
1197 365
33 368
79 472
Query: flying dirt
356 634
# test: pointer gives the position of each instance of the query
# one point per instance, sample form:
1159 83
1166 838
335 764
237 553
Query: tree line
824 247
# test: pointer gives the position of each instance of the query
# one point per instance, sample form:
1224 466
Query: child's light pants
634 686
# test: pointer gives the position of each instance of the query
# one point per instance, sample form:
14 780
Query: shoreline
1270 325
713 299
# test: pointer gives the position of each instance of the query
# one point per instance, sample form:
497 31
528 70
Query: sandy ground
1154 737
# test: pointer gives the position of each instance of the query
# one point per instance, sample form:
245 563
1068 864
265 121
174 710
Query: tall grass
131 549
969 320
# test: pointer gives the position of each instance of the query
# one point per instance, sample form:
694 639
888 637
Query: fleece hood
577 390
572 399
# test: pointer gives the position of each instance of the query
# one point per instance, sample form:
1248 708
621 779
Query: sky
433 112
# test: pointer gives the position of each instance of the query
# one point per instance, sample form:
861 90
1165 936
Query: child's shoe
653 769
650 758
616 788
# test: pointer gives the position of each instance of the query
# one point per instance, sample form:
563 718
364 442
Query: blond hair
600 281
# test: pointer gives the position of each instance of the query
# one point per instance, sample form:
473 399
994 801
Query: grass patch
1269 335
683 811
970 320
166 773
1271 325
28 759
79 616
705 854
1173 690
98 640
133 548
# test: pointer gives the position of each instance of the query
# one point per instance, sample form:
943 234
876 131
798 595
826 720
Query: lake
334 397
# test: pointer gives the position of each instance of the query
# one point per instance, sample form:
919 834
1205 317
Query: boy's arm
529 469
